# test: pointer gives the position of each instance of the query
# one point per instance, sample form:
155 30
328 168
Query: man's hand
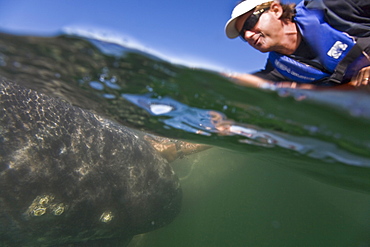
362 78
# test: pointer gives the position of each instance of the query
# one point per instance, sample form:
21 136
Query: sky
189 32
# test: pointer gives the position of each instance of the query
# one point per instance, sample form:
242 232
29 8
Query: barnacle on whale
44 199
57 209
43 204
38 211
106 217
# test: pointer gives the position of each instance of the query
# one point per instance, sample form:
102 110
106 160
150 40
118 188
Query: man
312 44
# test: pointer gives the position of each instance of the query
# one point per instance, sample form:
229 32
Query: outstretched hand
254 81
245 79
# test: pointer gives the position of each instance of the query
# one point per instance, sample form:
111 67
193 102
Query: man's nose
248 34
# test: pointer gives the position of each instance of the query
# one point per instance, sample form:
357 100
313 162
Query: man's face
266 34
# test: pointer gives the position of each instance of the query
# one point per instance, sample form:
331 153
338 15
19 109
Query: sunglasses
251 21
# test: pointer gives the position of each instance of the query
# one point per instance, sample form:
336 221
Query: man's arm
250 80
269 77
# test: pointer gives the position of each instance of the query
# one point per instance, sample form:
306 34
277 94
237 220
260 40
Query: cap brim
230 29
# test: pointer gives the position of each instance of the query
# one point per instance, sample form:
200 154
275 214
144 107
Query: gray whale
70 177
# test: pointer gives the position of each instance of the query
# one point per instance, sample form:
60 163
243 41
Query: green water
302 180
254 202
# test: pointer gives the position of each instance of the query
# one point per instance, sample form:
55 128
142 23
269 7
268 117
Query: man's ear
276 9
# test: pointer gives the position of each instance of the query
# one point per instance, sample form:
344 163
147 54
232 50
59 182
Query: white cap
239 10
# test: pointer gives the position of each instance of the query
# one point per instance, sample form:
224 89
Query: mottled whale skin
68 176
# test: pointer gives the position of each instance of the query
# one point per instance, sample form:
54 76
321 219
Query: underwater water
288 167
